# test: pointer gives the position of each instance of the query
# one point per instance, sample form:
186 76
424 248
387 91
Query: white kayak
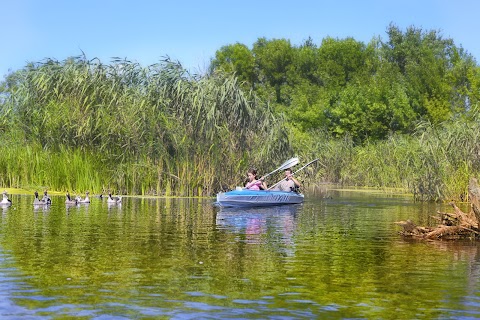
257 198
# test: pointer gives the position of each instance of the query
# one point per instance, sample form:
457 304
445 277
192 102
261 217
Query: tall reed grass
434 164
83 125
154 130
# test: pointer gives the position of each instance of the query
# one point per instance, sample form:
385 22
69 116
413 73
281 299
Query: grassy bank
81 125
435 163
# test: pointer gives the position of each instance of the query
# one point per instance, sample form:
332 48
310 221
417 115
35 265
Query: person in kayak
289 183
253 183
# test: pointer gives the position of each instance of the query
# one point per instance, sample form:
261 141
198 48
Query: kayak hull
257 198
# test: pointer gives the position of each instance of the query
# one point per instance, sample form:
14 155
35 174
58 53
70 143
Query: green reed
434 164
82 125
128 129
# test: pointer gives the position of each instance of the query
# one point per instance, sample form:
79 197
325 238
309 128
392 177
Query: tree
305 64
238 59
274 59
340 61
423 58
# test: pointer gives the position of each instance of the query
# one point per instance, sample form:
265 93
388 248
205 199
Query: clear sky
191 31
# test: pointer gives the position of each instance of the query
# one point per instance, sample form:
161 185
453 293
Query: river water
338 255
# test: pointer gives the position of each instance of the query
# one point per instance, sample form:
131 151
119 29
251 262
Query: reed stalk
128 129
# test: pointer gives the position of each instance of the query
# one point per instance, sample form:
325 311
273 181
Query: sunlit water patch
335 256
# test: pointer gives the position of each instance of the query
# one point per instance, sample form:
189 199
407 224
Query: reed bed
434 164
83 125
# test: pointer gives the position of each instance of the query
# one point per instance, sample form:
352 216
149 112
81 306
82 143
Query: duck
46 199
85 200
38 202
5 201
114 199
69 200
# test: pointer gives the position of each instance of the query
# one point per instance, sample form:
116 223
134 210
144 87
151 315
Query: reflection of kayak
257 225
257 198
271 211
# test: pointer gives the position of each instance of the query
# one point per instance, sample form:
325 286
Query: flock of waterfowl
46 200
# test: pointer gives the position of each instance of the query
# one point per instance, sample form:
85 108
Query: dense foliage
394 113
136 130
365 91
400 112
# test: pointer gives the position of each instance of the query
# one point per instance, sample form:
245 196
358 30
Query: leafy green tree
274 60
346 87
305 64
464 80
372 110
307 108
304 103
340 60
423 58
236 58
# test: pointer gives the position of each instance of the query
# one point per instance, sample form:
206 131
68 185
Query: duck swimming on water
84 200
69 200
5 201
113 199
42 202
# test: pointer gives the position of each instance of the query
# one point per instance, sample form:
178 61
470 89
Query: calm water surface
338 255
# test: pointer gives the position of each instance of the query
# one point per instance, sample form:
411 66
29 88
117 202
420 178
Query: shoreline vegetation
400 113
314 188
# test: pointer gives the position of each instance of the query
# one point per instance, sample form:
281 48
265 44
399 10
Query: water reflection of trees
98 247
168 247
464 252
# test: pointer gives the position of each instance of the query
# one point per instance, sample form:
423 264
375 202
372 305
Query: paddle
294 172
287 164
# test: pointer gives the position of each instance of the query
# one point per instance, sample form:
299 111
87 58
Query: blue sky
191 31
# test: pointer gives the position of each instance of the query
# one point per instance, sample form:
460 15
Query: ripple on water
182 259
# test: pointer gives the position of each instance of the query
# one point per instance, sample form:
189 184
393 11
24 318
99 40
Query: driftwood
456 225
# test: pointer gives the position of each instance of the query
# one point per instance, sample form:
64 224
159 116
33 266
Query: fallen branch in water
456 225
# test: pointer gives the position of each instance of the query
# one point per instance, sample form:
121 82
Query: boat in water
257 198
